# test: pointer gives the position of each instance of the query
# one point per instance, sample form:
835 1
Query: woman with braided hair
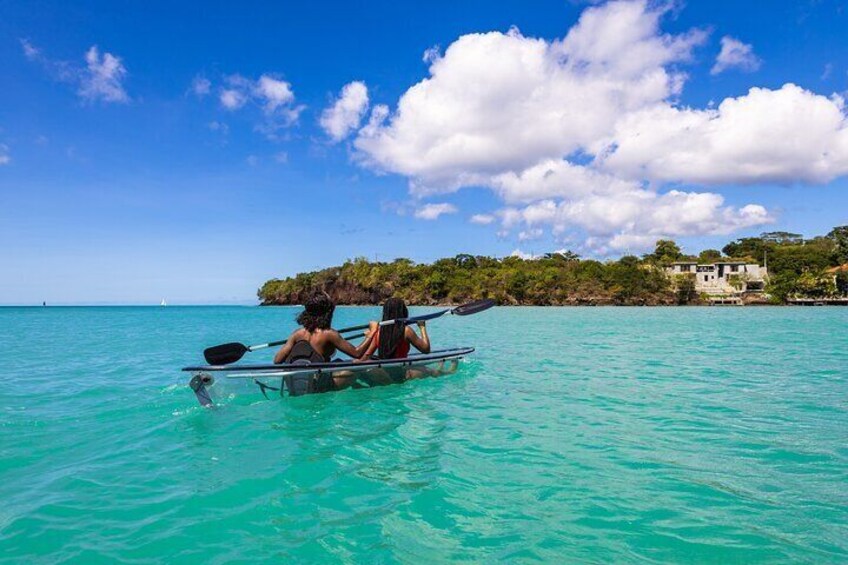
393 341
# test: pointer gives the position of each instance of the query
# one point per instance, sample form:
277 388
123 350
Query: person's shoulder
299 333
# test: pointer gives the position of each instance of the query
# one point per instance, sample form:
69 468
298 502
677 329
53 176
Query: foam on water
572 435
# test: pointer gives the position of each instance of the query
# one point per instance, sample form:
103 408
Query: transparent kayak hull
212 383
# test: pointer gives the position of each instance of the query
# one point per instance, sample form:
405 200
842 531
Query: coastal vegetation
798 267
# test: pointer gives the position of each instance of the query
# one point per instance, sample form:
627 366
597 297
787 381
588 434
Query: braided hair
391 335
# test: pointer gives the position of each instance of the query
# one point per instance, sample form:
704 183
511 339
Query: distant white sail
163 303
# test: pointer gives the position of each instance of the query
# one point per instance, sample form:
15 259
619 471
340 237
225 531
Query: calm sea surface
594 435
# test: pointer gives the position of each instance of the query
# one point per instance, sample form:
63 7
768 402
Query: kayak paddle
463 310
227 353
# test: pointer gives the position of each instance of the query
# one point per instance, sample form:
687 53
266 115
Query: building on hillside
723 277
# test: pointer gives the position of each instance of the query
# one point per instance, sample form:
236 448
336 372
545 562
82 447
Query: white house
723 277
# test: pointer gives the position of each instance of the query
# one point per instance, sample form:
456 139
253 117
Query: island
774 268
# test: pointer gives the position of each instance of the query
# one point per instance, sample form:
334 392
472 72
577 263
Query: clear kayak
211 382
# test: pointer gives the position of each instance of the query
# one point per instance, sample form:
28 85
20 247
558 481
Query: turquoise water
594 435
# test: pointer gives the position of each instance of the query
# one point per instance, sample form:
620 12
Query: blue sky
125 177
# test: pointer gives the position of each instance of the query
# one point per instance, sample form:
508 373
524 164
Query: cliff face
340 292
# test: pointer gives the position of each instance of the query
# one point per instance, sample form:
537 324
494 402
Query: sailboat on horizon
163 303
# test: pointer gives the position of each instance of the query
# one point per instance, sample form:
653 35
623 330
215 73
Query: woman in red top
393 341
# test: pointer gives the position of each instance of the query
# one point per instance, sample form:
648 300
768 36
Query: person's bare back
324 342
316 320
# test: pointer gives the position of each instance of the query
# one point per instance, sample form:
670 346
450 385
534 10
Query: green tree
750 248
665 252
709 256
842 283
815 285
566 255
782 237
685 288
839 235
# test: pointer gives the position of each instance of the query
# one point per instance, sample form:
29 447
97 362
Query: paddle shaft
410 320
264 345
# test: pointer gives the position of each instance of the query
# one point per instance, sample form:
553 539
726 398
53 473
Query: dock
842 301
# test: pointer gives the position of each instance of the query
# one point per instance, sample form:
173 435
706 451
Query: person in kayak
316 341
393 341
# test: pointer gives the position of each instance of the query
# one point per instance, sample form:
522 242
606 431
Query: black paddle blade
225 354
473 307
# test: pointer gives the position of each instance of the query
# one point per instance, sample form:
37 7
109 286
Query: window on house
706 278
734 268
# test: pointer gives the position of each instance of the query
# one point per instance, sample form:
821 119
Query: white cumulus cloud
5 159
636 215
585 136
735 55
785 135
201 86
273 95
552 178
232 99
346 113
431 54
236 93
530 234
102 78
523 255
499 102
433 211
482 219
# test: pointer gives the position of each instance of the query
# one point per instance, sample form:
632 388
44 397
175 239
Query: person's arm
422 343
347 348
372 334
285 350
